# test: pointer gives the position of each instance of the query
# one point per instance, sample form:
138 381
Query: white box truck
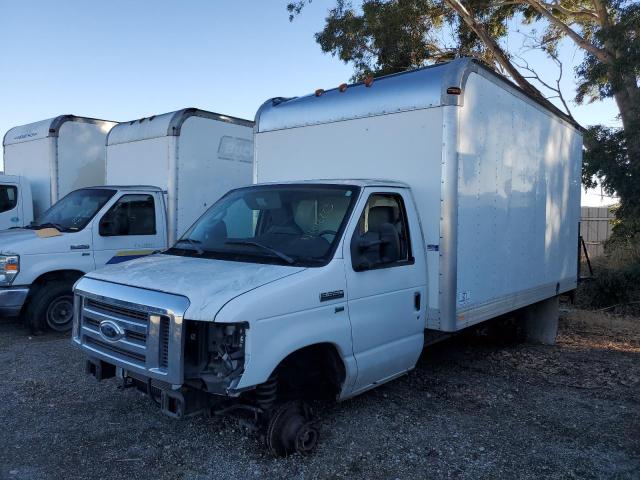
189 158
452 198
51 158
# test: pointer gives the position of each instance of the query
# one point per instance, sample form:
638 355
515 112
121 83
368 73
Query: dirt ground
471 409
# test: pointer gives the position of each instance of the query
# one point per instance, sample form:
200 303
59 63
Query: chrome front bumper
12 299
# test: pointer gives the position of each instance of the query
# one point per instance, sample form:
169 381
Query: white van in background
192 157
51 158
16 205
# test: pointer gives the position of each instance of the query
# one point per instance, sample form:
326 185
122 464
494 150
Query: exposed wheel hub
290 430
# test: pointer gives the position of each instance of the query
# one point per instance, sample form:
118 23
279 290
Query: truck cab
337 268
16 205
87 229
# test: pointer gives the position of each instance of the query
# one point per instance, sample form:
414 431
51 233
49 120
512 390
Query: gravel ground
471 409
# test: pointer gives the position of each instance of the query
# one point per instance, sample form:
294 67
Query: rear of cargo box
32 159
81 155
518 203
213 158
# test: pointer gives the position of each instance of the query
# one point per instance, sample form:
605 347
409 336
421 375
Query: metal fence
595 228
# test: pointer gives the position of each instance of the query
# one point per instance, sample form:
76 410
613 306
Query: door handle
79 247
417 297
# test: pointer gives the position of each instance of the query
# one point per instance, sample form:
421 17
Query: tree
387 36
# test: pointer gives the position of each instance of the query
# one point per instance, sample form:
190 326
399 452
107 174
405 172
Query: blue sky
121 60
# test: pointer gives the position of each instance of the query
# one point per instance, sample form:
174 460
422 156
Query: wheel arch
316 359
64 275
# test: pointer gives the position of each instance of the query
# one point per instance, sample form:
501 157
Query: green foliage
611 288
385 37
598 81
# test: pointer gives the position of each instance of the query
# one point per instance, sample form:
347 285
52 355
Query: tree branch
583 14
600 54
495 48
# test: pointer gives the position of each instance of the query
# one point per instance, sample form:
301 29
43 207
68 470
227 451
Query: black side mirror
366 251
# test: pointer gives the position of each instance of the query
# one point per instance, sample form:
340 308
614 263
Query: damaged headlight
214 353
9 268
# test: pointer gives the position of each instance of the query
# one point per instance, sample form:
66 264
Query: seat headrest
380 215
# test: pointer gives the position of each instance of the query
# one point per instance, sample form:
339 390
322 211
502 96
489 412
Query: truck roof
358 182
166 124
44 128
149 188
432 86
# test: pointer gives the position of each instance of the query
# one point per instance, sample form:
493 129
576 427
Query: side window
131 215
8 198
381 238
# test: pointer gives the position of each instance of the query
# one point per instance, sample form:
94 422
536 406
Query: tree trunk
627 97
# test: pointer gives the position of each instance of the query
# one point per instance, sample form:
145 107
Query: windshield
289 225
74 211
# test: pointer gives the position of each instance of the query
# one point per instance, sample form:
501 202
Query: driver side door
386 286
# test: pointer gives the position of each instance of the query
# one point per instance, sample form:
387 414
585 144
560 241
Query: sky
124 59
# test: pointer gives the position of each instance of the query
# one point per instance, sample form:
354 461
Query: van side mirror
366 251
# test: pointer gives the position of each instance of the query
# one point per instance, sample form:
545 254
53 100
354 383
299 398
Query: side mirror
366 251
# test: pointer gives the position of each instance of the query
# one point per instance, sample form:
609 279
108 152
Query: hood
23 241
208 284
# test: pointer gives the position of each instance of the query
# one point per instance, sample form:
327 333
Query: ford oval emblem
111 331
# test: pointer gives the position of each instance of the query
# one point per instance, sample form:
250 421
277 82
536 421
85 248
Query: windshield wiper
281 255
193 243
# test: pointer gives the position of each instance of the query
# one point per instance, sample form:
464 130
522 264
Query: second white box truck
51 158
163 172
451 198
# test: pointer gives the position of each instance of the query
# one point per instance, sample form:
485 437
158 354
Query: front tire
51 306
290 430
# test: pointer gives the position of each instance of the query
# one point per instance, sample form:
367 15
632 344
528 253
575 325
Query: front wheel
290 430
52 305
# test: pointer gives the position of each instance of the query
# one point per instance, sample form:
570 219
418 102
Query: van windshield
283 224
74 211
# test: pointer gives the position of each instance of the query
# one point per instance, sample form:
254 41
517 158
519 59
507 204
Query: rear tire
51 307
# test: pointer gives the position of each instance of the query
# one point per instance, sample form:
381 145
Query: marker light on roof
319 92
368 81
343 87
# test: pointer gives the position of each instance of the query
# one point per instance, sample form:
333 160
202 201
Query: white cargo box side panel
518 204
81 155
33 160
142 162
404 147
213 158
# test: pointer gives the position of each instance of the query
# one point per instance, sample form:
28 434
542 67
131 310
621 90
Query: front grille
115 350
132 347
118 310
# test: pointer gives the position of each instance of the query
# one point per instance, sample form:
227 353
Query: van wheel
51 305
291 430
